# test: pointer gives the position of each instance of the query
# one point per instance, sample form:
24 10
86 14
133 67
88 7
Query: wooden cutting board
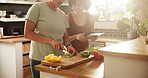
69 62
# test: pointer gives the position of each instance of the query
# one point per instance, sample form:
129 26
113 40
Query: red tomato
97 55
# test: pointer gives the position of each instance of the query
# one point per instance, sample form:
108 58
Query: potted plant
143 28
126 20
128 26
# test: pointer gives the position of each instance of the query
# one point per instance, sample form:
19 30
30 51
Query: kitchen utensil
65 51
13 16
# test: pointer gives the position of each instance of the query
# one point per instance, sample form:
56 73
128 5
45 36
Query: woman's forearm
30 34
72 38
36 37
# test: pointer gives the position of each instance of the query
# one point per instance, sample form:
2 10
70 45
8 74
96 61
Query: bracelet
51 41
68 45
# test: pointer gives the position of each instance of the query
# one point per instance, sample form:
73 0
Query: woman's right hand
81 37
56 44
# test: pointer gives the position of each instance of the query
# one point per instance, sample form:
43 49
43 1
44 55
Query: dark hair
85 3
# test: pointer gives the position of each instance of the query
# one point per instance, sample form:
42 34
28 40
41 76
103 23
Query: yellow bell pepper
50 55
56 59
53 58
47 58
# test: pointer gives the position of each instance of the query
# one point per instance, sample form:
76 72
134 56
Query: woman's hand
81 37
71 50
57 45
94 38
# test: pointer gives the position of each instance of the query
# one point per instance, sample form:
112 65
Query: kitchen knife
65 51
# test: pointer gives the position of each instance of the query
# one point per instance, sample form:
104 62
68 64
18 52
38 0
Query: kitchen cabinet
128 59
12 26
26 59
14 61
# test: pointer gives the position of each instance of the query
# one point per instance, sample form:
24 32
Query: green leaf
143 27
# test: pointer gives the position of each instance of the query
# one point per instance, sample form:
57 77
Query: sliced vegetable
92 48
85 53
56 59
53 58
69 55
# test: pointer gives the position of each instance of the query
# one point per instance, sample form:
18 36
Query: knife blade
65 51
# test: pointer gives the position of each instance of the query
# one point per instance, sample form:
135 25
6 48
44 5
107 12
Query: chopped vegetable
97 55
92 48
69 55
56 59
53 58
85 53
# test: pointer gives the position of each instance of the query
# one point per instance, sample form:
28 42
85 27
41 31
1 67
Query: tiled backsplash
112 32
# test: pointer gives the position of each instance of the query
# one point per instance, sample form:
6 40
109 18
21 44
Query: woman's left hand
94 38
81 37
71 50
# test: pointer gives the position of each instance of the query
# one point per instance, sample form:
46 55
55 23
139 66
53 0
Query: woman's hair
85 3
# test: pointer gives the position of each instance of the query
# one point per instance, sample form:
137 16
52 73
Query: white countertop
133 49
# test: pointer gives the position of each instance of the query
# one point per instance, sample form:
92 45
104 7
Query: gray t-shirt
49 23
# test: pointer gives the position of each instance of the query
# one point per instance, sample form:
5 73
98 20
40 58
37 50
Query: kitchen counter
11 46
111 39
133 49
92 69
11 57
104 41
128 59
13 39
